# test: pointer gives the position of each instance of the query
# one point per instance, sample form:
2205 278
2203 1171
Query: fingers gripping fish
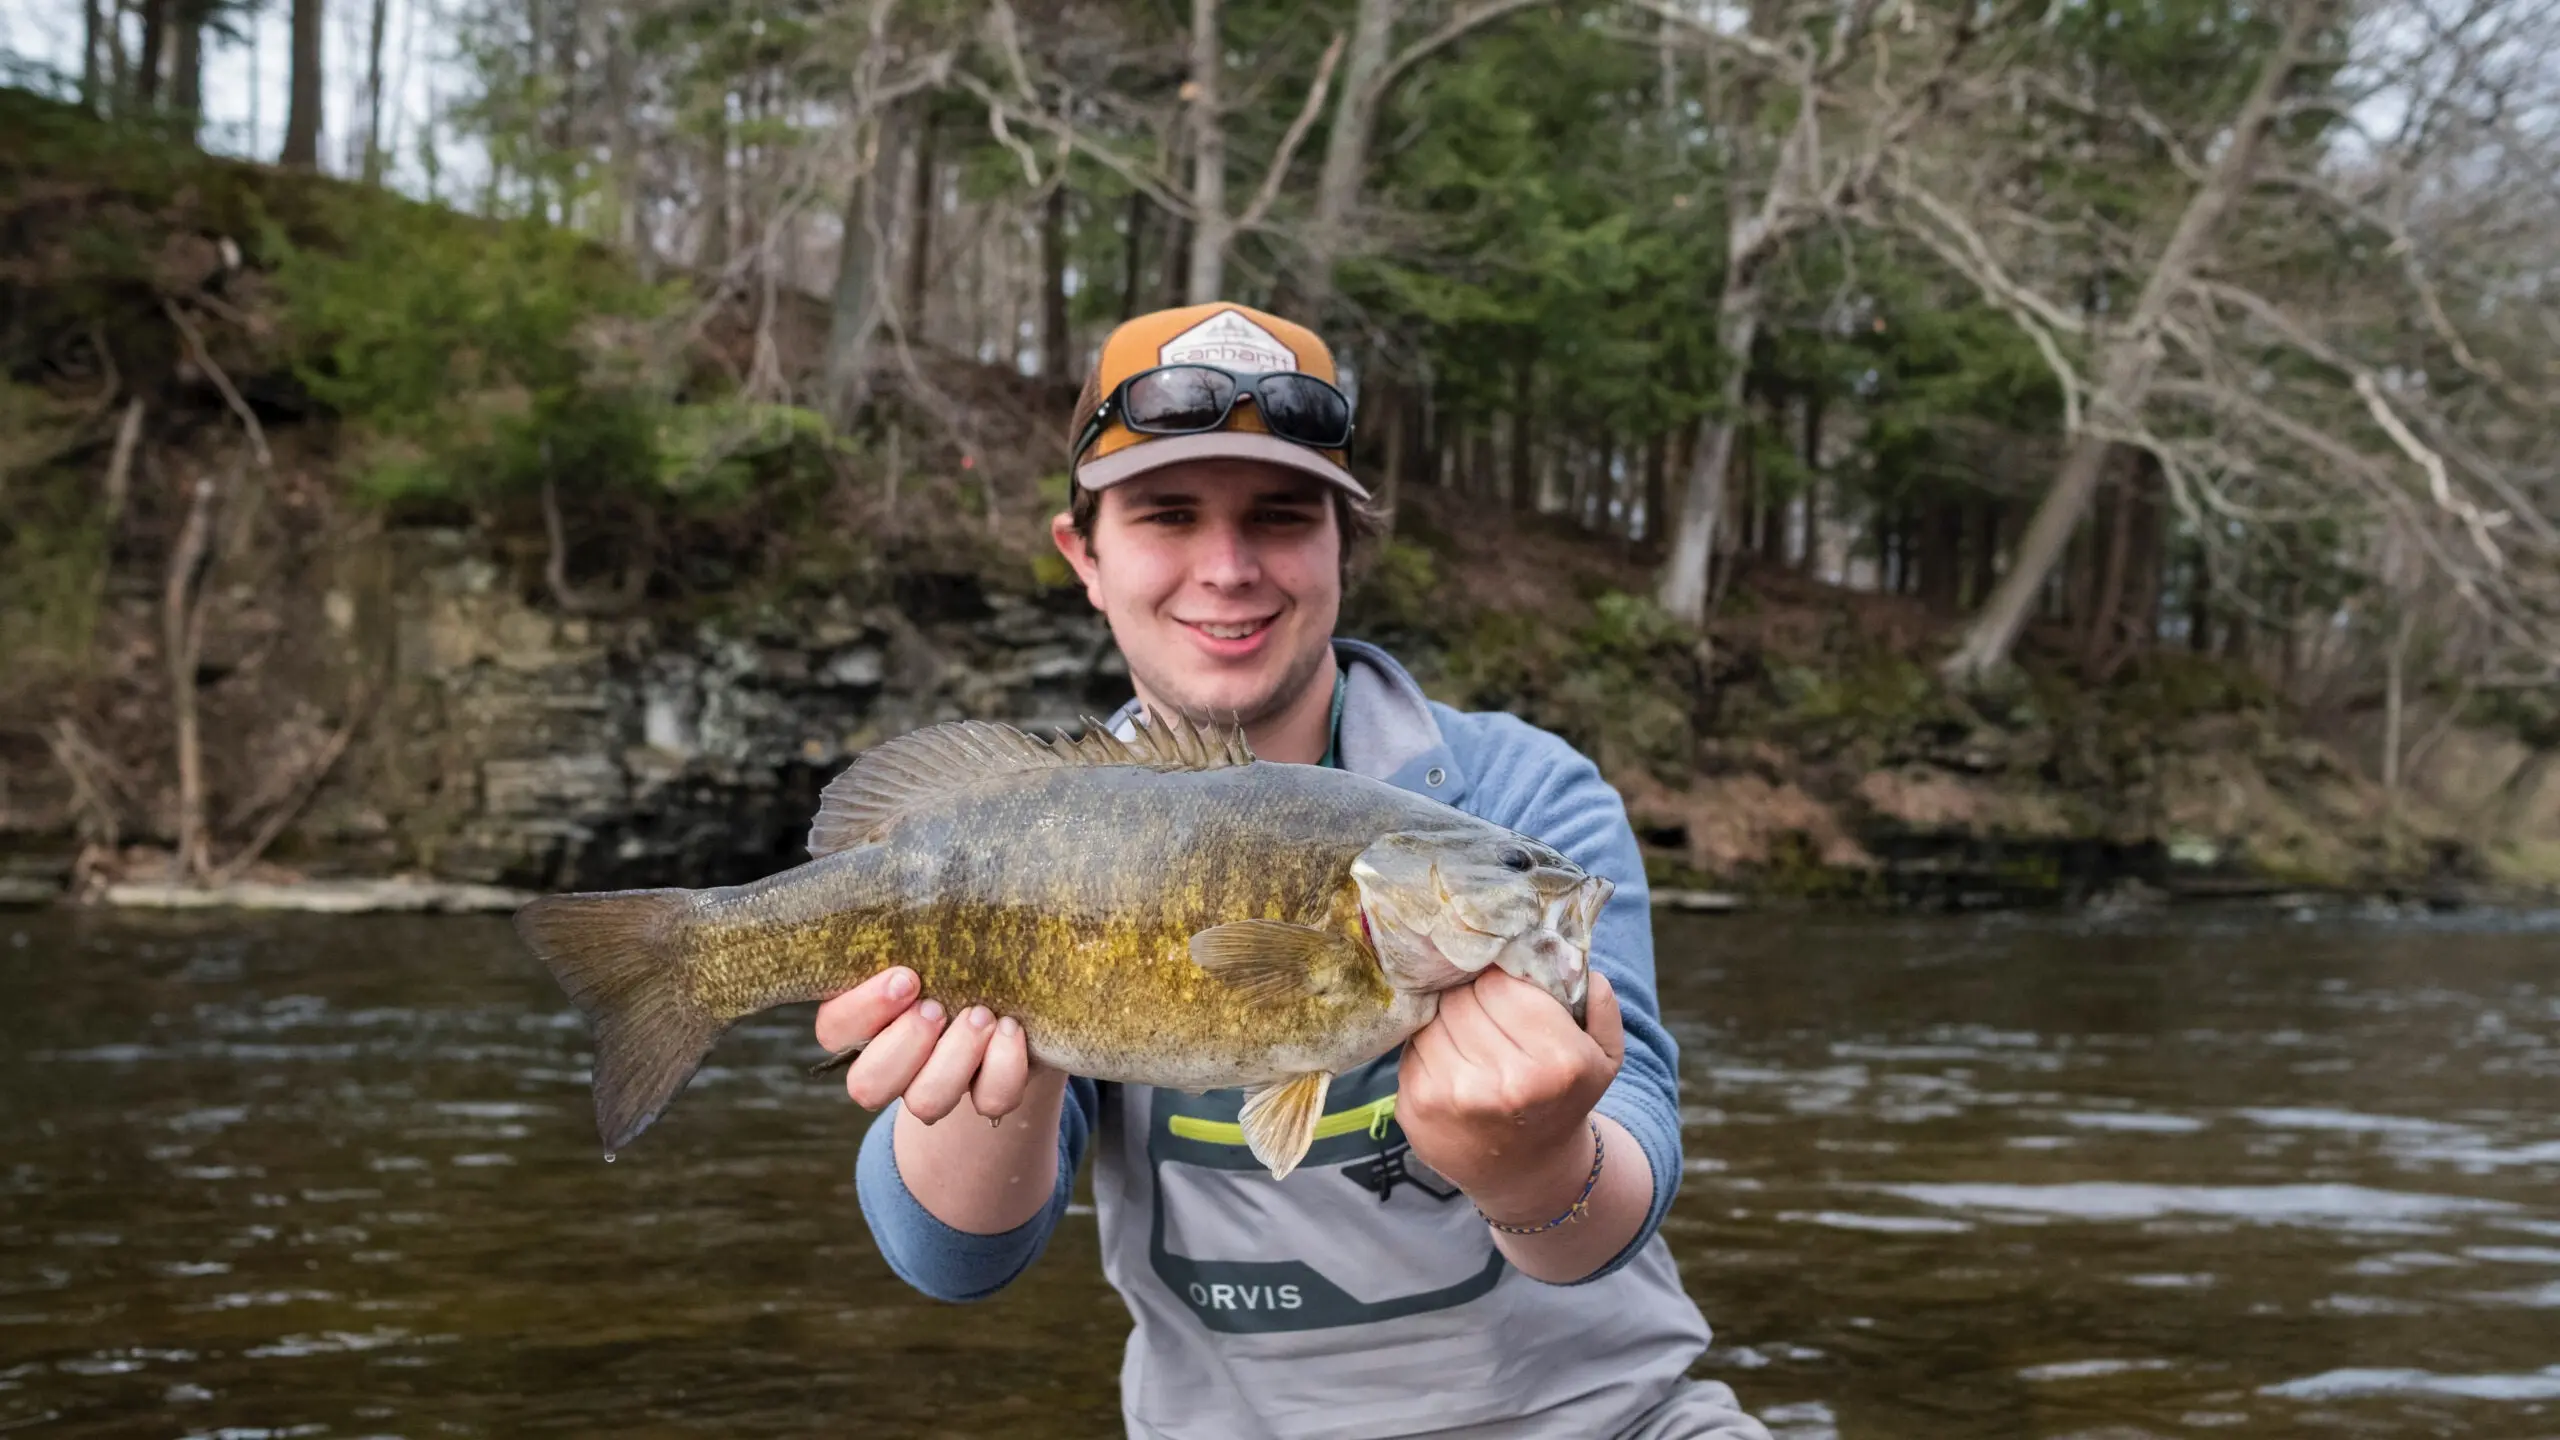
1165 910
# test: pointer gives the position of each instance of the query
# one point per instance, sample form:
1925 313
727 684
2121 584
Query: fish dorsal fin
895 777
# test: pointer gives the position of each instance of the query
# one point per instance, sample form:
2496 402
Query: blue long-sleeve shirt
1230 1274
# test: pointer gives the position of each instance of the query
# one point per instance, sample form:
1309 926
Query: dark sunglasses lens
1305 410
1184 398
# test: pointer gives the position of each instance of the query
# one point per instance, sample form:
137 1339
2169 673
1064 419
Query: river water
2234 1172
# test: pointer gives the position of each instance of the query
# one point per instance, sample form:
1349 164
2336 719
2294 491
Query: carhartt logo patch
1231 342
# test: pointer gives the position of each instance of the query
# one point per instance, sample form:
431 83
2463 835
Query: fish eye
1518 859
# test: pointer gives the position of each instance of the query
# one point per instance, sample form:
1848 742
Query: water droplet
608 1157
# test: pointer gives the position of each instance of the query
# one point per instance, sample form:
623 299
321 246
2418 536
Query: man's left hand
1497 1092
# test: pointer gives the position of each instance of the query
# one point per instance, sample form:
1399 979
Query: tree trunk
1524 477
1207 279
1346 153
2075 586
2237 632
711 257
186 64
1173 272
1391 481
623 132
853 316
1667 83
1173 268
2105 595
924 202
121 83
1056 343
2288 608
1657 485
973 302
2395 662
2128 359
1771 520
155 43
2200 604
93 26
373 93
181 645
1619 464
1985 555
1941 554
2138 622
302 113
1693 543
2126 621
746 168
568 118
1133 253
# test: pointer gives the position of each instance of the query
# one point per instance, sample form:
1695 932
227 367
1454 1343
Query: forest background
1956 450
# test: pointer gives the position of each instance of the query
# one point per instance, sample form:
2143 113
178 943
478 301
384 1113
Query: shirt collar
1382 726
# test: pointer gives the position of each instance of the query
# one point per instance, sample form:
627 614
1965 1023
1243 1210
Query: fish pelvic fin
896 776
620 956
1279 1121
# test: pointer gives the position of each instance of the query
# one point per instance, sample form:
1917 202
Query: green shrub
470 359
53 556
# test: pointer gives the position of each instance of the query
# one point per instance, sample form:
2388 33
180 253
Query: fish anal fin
1279 1121
899 775
1272 962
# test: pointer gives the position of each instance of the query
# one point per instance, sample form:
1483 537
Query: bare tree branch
1456 28
1251 216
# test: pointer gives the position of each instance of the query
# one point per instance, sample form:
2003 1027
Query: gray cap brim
1157 451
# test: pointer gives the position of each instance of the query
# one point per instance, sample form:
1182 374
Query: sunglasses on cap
1194 399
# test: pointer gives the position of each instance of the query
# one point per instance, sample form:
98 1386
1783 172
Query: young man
1470 1248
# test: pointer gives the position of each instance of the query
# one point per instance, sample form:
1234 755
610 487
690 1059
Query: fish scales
1065 898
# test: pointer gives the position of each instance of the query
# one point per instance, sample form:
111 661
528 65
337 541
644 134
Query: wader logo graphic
1246 1297
1362 1232
1390 1169
1229 341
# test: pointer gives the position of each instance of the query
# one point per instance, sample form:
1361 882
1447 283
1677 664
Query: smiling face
1221 580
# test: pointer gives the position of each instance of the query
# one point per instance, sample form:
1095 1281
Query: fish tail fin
620 955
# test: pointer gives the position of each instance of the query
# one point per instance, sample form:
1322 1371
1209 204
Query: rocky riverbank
517 749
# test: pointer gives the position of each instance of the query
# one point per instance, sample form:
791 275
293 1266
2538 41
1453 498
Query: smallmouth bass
1165 910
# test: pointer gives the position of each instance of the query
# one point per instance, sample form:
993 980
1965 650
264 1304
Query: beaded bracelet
1573 1212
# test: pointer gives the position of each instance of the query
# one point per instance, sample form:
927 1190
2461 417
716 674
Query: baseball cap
1232 337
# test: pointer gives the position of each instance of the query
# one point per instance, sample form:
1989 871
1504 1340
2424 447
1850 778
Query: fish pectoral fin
1279 1121
1270 961
840 1060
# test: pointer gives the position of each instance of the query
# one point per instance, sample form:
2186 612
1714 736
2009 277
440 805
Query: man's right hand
940 1066
912 1050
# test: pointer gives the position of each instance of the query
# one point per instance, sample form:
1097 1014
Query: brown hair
1359 522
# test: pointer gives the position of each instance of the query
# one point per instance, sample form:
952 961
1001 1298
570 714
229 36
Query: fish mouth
1556 956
